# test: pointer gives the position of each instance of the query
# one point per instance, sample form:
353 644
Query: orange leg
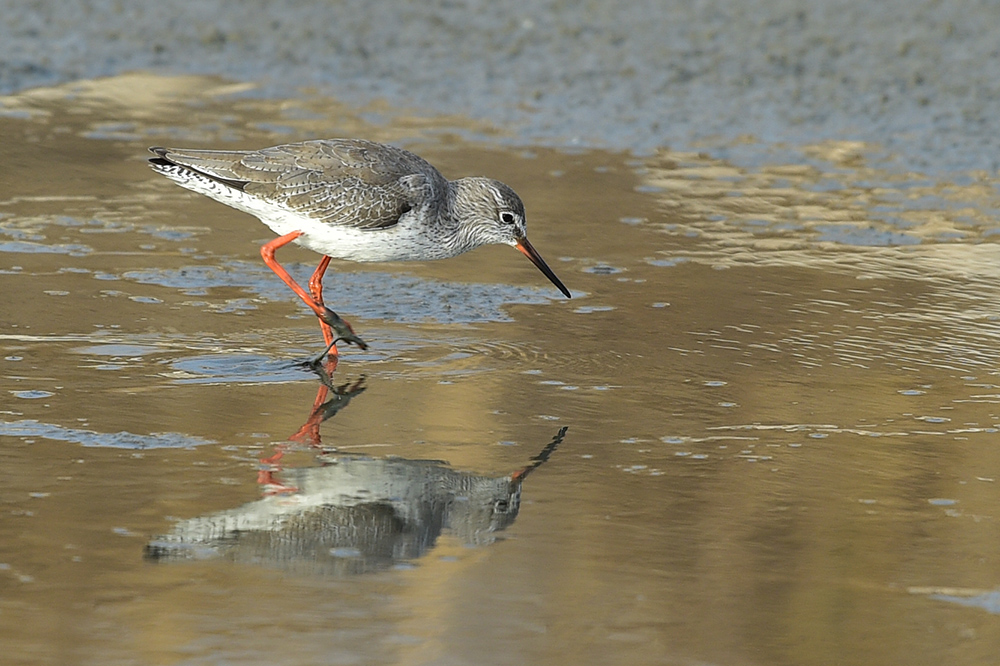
316 290
329 320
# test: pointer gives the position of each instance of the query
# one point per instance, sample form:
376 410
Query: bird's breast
409 240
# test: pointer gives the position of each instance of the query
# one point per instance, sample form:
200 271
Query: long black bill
531 253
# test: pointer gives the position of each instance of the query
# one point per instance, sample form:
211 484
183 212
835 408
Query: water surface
780 386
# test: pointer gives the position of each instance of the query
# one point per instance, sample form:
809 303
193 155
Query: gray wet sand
914 79
780 385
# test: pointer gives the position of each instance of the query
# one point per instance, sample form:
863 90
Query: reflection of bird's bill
531 253
540 459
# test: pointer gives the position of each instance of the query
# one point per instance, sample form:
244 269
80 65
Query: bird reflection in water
352 513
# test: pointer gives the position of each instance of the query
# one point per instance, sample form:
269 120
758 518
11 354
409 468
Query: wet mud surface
913 78
780 385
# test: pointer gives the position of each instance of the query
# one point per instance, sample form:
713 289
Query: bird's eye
507 218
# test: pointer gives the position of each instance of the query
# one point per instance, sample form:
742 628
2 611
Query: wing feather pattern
349 182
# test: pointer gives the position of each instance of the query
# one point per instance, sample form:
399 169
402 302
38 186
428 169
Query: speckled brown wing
350 182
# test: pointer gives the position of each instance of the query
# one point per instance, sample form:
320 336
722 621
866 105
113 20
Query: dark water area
779 383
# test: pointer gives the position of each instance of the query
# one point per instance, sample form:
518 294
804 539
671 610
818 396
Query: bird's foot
341 328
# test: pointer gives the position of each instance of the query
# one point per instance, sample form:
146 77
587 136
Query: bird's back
350 182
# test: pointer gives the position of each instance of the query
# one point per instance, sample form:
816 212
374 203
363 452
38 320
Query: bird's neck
454 213
448 213
460 193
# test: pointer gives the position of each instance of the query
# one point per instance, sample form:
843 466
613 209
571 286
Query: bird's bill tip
531 253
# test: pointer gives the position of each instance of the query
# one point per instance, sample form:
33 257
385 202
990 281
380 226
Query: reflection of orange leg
329 401
328 318
265 476
310 429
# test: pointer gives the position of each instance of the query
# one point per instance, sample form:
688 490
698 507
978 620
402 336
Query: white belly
406 241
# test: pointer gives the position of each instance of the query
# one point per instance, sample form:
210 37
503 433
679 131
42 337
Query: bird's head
490 212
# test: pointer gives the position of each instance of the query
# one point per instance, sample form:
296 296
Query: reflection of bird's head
486 507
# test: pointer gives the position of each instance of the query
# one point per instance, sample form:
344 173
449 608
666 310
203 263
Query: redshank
356 200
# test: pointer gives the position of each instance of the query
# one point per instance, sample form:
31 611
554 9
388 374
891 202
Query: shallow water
780 386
